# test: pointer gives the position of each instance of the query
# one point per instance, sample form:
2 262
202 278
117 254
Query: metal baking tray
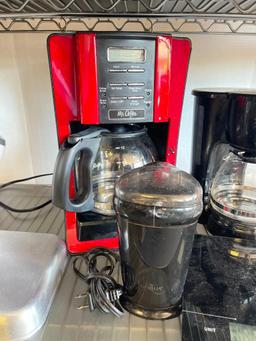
31 267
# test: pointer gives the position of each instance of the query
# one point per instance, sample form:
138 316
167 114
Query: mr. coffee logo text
126 114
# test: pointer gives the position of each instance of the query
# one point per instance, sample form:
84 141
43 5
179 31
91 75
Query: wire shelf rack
178 16
128 7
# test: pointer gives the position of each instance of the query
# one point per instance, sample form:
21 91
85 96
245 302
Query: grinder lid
160 184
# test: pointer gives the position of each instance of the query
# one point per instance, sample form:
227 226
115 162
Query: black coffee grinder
224 160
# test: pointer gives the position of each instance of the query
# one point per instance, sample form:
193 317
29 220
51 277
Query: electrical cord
103 291
23 210
24 179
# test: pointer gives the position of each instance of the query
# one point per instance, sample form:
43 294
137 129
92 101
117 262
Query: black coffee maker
224 160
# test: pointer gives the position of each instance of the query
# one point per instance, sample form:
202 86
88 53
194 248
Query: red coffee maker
105 81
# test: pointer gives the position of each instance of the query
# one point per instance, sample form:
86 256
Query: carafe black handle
87 142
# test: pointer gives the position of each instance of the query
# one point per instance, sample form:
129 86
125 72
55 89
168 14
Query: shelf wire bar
150 7
176 16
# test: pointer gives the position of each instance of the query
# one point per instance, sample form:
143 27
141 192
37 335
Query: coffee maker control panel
126 71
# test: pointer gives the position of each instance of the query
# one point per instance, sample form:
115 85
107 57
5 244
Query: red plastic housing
181 49
172 58
73 66
162 79
86 76
61 50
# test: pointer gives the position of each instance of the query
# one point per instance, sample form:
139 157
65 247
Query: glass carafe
233 195
120 151
98 157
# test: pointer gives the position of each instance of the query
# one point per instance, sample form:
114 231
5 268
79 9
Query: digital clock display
130 55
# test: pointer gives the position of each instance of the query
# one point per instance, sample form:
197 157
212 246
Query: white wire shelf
177 16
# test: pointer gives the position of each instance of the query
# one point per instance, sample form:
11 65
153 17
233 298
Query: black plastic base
93 226
219 225
152 314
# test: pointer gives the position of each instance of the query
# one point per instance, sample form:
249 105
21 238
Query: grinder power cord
103 291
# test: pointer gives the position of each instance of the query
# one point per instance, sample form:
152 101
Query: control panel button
118 97
118 84
136 97
136 70
118 70
136 84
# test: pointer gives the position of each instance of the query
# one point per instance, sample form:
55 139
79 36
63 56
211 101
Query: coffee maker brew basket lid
160 184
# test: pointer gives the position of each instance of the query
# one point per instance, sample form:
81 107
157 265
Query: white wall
26 108
216 61
17 160
32 64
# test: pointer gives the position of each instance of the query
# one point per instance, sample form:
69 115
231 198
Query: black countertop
220 293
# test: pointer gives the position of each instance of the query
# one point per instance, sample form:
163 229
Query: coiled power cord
103 291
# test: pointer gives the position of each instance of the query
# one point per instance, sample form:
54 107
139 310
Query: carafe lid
223 91
160 184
